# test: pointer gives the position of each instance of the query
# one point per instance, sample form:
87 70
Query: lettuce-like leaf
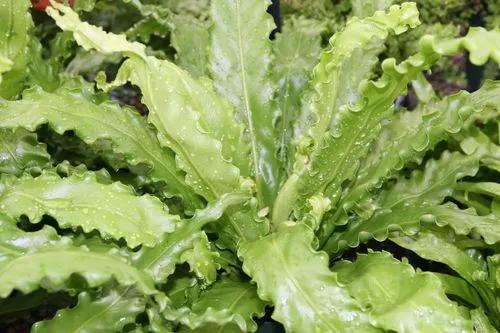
296 51
30 260
74 107
398 298
110 312
240 56
481 322
336 124
318 173
81 201
202 260
227 306
160 261
307 296
409 219
190 118
191 40
15 24
440 245
411 134
184 112
424 188
20 151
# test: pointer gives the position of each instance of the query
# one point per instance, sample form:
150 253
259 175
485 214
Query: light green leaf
434 183
319 174
487 188
296 50
307 296
191 40
410 134
481 322
398 298
495 207
363 8
160 261
20 151
424 188
104 314
182 109
15 24
74 107
53 267
423 89
408 219
240 56
30 260
442 250
439 245
345 115
81 201
5 66
227 306
178 99
348 61
459 288
474 139
14 240
481 44
202 260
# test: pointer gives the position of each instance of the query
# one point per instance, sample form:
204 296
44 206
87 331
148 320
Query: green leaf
398 298
175 99
109 312
74 107
423 89
160 261
481 322
487 188
481 44
202 260
30 260
424 188
440 245
474 139
322 174
349 60
45 71
182 291
227 306
345 119
410 134
14 240
296 49
434 183
459 288
191 40
363 8
15 24
442 250
20 151
240 57
178 99
307 296
408 219
81 201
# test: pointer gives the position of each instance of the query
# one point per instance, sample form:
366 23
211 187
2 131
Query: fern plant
262 176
